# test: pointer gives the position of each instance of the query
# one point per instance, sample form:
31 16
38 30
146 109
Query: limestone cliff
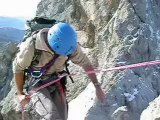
114 33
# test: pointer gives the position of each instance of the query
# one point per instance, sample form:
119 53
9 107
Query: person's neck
45 35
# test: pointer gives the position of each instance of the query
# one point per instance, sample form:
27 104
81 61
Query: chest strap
44 69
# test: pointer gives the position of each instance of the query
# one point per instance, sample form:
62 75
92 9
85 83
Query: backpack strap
37 52
45 68
37 55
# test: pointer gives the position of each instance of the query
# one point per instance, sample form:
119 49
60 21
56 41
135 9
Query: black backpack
36 24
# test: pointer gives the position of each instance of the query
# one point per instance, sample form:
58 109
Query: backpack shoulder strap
45 68
37 52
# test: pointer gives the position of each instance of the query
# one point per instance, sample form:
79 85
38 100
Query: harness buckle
36 74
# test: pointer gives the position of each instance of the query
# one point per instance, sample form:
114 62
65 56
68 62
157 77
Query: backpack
36 24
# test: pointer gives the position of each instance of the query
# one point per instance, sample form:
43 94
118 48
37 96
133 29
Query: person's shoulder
40 42
27 43
41 33
79 48
78 51
43 30
33 38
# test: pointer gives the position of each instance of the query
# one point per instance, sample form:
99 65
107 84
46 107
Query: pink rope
90 72
127 67
23 112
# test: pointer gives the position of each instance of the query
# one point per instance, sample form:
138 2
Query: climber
54 45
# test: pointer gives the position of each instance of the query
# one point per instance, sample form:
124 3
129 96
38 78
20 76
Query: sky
18 8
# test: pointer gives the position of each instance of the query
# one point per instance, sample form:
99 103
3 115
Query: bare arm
82 60
92 76
99 92
19 78
23 99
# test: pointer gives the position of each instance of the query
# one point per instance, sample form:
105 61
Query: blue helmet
62 38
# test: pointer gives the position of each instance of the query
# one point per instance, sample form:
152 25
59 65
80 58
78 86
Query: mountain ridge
13 22
11 34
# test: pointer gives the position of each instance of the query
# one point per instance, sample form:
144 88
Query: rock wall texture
113 33
152 111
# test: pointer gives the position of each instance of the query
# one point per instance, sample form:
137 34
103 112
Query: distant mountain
12 28
13 22
11 34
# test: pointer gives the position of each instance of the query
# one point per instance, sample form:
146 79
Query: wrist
20 93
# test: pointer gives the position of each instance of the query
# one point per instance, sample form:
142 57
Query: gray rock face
7 51
129 38
152 111
115 33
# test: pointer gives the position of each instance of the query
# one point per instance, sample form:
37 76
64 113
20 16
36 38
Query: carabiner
36 74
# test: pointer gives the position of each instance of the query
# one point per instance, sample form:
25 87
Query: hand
23 99
100 94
